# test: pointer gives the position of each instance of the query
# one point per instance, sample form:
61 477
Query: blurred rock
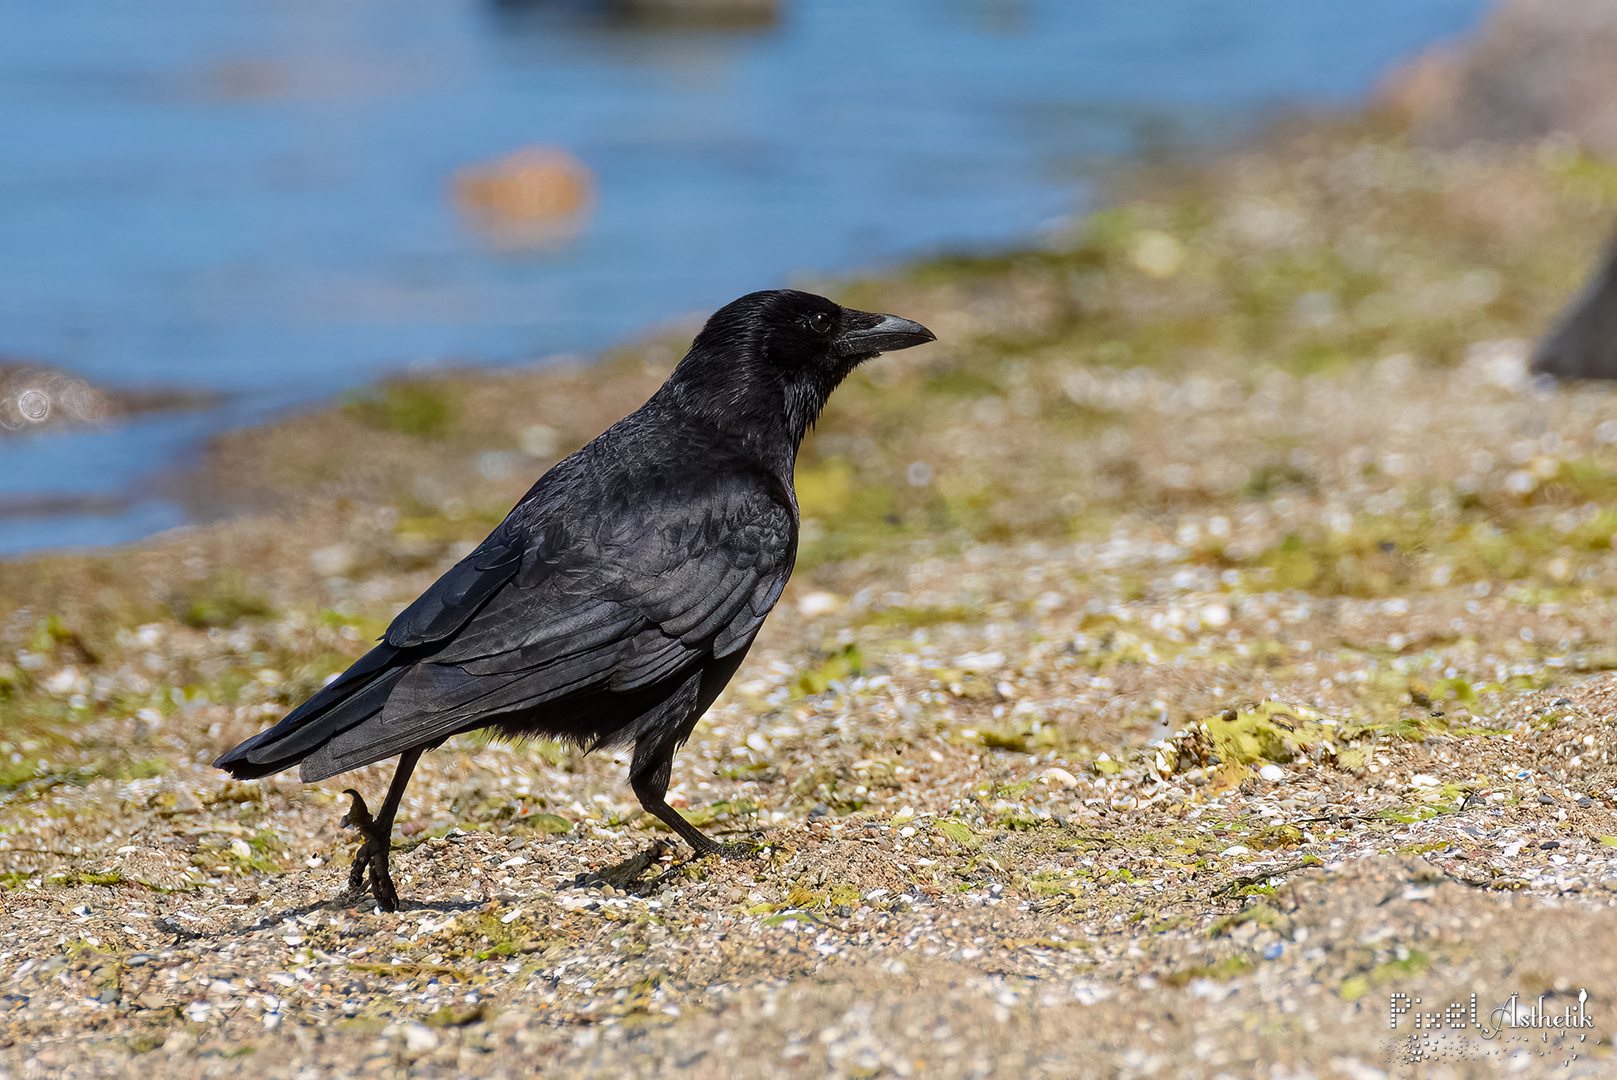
1584 343
34 398
533 197
31 397
1424 87
333 561
1503 364
697 12
814 604
653 14
539 440
1534 68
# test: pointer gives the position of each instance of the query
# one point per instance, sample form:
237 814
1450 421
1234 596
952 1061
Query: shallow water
251 198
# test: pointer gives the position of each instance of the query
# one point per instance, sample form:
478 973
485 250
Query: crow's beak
869 333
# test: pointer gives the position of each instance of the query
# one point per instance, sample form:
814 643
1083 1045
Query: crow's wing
361 691
614 606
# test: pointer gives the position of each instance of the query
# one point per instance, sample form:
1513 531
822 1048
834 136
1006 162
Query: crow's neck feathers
766 409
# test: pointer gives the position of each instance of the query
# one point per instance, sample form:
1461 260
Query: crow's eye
820 323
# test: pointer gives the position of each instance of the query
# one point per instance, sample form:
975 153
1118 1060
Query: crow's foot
372 857
727 852
750 848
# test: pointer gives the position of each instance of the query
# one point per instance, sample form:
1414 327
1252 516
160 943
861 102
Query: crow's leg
358 817
651 788
658 736
626 873
378 833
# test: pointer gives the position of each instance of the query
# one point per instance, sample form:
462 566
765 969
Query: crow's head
769 361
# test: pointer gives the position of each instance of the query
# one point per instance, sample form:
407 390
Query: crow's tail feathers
352 698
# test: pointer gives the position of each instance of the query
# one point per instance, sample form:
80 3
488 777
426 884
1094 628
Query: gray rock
1583 344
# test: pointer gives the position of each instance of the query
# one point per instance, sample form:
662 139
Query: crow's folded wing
640 595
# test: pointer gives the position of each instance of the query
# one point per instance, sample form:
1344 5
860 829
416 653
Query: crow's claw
372 856
359 815
741 850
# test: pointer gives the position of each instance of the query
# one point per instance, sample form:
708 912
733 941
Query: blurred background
213 213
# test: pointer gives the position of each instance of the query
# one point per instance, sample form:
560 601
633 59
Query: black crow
620 594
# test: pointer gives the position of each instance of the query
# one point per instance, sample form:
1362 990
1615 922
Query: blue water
250 197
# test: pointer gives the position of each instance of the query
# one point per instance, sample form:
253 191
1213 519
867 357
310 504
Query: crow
619 595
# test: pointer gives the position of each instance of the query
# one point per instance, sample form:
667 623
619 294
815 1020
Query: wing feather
453 599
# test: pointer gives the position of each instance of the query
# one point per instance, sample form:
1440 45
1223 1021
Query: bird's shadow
625 876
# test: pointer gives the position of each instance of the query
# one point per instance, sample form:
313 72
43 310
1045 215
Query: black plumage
620 594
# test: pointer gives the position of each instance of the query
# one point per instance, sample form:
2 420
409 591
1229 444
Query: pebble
574 902
1059 777
420 1039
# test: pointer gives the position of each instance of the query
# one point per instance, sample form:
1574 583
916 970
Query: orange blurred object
537 194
